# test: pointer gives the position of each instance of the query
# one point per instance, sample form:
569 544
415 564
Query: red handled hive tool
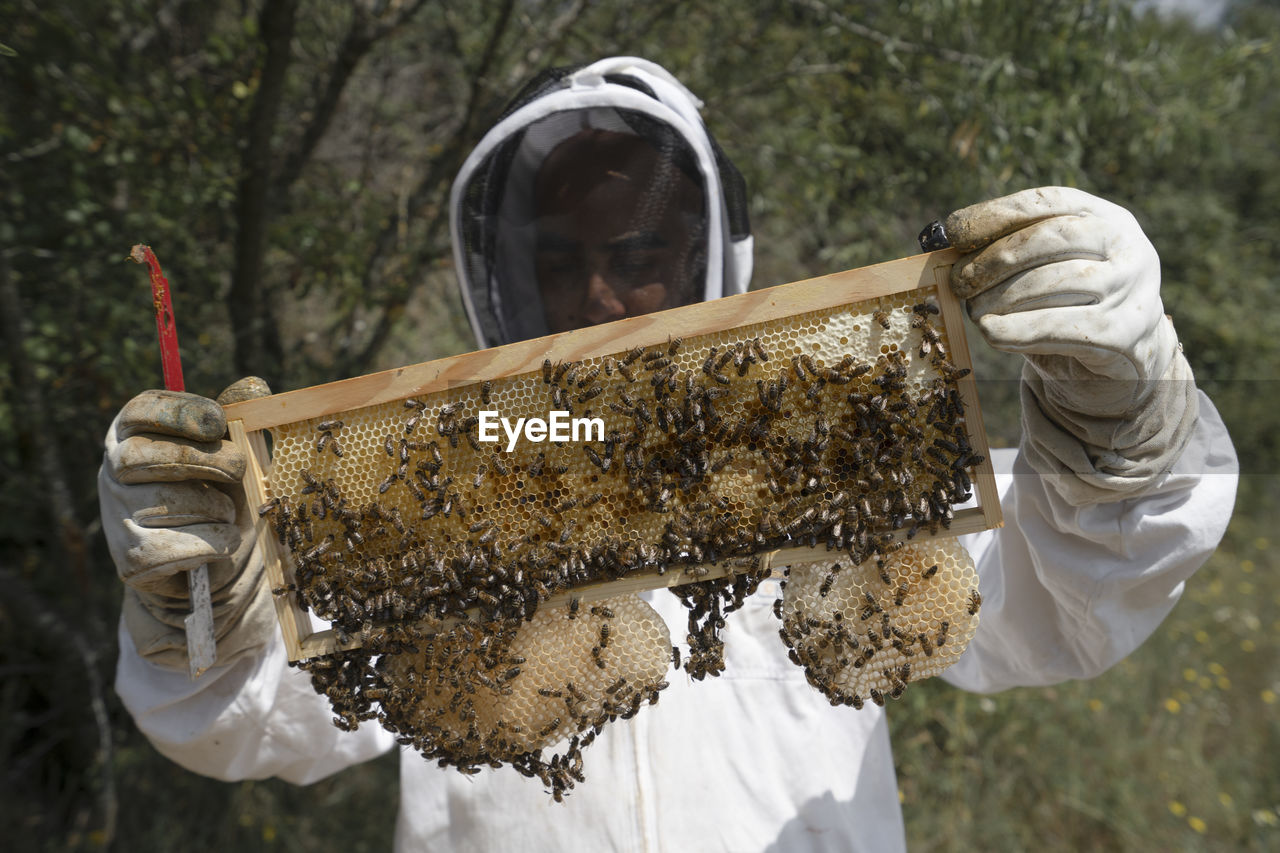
201 647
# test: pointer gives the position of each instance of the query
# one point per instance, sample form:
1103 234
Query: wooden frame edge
983 476
295 625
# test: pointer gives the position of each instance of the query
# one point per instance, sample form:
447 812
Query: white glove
1071 282
170 497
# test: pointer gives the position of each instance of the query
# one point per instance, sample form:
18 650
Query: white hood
491 203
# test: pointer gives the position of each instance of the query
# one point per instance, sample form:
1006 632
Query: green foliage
1161 753
122 121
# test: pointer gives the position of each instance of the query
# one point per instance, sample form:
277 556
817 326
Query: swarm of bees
437 549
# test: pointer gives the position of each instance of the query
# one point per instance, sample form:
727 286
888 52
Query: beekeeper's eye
639 259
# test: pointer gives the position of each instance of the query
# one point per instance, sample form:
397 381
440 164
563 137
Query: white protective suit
754 759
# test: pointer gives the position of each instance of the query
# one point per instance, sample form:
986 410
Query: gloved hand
1071 282
170 498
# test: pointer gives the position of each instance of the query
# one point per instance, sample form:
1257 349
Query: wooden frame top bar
757 306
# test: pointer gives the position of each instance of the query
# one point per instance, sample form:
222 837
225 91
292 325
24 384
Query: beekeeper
600 195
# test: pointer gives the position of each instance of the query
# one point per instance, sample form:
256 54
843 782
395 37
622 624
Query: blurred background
289 161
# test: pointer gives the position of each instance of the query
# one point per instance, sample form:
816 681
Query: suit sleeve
253 719
1069 591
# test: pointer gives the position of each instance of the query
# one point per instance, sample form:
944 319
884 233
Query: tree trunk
258 348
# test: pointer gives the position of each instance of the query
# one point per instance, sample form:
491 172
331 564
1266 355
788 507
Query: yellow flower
1244 588
1269 697
1217 668
1246 566
1189 674
1173 706
1224 683
1197 824
1225 799
1205 682
1201 636
1095 705
1247 646
1177 808
1261 543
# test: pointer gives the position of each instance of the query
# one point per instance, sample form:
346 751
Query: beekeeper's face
618 231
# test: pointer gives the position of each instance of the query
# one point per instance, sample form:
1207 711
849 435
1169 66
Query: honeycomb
863 632
567 672
417 538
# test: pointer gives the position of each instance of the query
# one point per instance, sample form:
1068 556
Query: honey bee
567 532
574 604
882 318
604 636
485 389
318 549
675 657
657 363
975 602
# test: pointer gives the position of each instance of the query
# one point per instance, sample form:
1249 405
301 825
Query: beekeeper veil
594 124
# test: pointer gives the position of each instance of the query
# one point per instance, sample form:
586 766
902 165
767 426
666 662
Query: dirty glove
170 497
1071 282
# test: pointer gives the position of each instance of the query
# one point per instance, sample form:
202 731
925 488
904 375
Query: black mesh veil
494 211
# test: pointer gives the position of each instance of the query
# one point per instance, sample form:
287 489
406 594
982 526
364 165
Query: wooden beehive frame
249 421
